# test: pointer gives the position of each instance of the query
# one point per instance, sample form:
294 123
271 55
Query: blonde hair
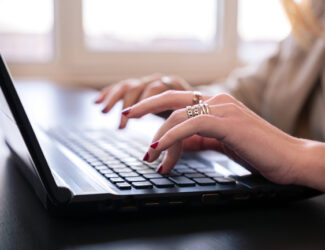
304 24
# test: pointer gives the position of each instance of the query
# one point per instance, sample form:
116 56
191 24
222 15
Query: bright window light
146 25
26 30
261 25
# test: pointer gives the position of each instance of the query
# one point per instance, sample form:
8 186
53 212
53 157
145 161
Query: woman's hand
230 127
133 90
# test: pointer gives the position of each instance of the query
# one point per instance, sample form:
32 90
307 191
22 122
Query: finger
114 96
179 116
102 94
129 99
196 143
154 88
205 125
170 158
176 117
222 99
169 100
145 80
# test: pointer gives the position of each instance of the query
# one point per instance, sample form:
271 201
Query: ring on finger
204 108
198 109
189 111
197 97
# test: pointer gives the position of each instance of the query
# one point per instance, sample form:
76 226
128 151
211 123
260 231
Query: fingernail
159 169
126 111
104 111
154 145
146 157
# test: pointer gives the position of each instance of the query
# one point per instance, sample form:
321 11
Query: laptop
80 169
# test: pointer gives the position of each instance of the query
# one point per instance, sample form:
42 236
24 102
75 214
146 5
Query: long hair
304 24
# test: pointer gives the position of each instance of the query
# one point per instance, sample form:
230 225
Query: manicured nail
154 145
146 157
159 169
126 111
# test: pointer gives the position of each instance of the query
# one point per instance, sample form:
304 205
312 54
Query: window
26 30
146 25
261 25
103 41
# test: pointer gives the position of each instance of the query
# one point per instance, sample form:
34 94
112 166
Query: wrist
310 167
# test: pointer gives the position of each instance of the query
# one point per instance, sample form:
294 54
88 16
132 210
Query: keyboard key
146 171
174 173
90 159
129 174
207 170
123 185
204 181
97 163
106 171
194 175
132 179
162 183
106 158
135 162
186 171
112 162
120 165
214 174
138 167
182 181
130 160
111 175
117 179
196 164
122 170
152 176
101 167
181 166
142 184
224 180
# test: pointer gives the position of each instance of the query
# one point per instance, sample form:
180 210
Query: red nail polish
146 157
126 111
159 169
154 145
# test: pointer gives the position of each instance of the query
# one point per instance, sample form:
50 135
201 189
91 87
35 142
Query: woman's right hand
134 90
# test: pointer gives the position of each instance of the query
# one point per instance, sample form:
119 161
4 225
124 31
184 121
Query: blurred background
97 42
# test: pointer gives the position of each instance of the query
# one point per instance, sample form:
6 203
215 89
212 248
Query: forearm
311 166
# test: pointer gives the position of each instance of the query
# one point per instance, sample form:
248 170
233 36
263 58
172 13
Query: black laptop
74 168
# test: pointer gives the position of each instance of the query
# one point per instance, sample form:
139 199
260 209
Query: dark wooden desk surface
25 224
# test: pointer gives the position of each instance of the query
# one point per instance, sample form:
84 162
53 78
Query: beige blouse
287 89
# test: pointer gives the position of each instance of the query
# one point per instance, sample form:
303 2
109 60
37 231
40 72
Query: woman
286 90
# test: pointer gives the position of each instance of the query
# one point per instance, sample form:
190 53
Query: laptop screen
12 133
20 137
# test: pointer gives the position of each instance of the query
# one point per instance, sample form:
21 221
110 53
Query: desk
25 224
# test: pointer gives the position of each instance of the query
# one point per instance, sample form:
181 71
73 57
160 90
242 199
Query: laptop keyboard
119 160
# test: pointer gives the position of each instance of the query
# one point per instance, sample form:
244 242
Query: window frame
73 63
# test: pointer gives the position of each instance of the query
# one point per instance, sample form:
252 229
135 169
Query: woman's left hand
230 127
